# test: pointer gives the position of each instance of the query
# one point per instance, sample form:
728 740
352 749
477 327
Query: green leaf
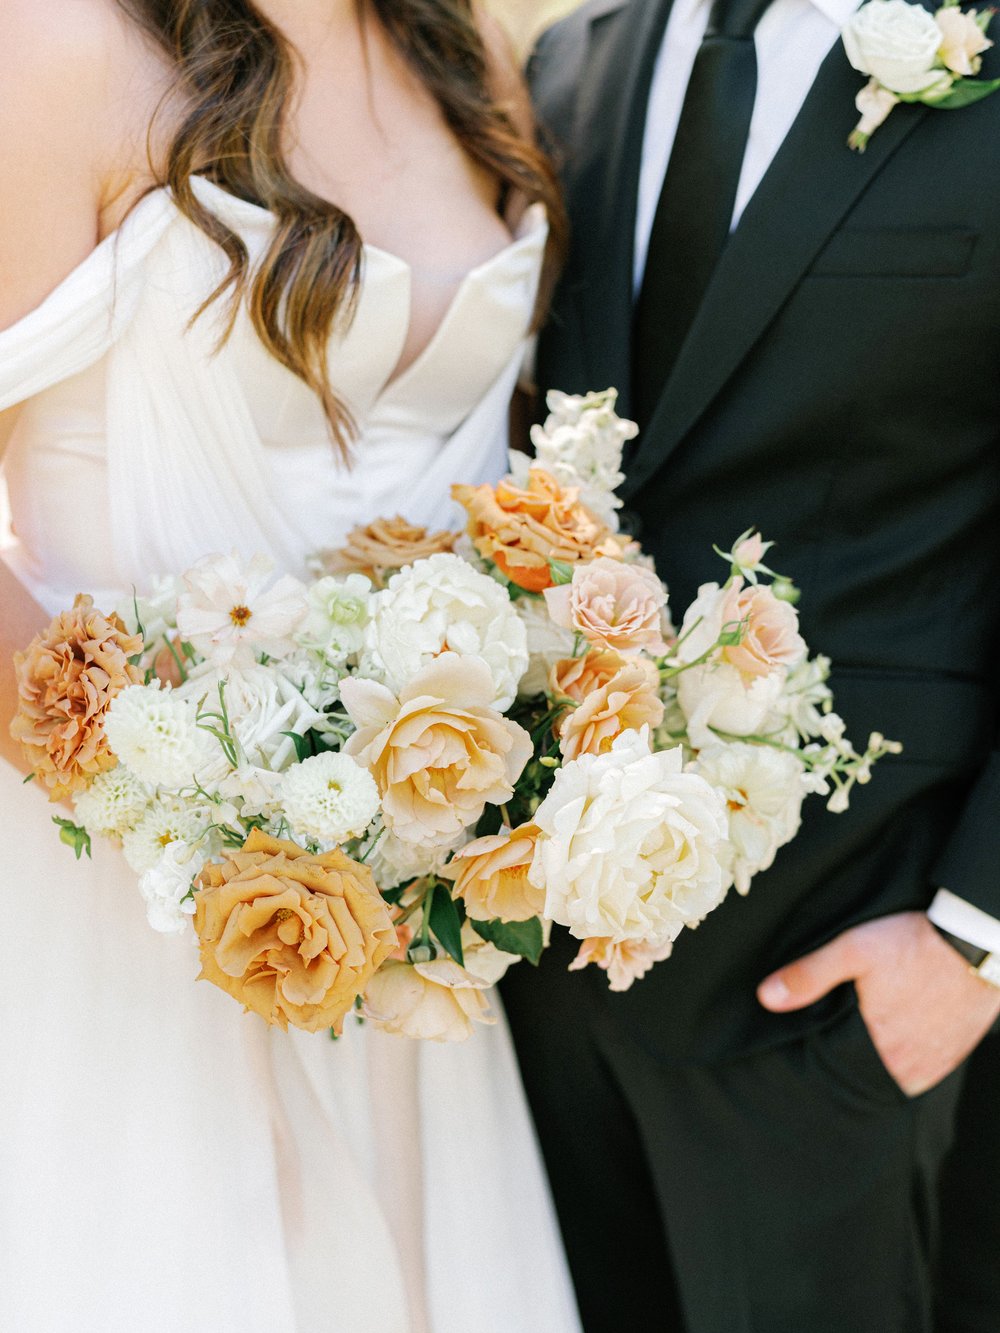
446 923
303 749
73 835
965 92
524 938
29 778
561 572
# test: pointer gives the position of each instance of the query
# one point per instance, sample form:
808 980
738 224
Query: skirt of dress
169 1163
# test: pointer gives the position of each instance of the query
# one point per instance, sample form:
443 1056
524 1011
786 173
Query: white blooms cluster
632 847
339 610
113 802
581 444
394 862
441 604
168 819
329 797
166 888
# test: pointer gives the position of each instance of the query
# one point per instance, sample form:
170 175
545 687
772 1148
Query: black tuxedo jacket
840 389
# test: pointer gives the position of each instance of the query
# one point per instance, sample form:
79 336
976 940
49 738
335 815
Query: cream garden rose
630 847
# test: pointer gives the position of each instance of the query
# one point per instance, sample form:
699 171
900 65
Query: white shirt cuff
969 923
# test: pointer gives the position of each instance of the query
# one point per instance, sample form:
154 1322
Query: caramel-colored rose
491 876
522 528
611 694
66 680
440 753
386 544
294 937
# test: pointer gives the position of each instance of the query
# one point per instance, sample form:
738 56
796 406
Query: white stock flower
166 821
230 611
716 698
630 845
763 791
804 697
165 887
547 642
329 797
154 733
581 444
440 605
113 802
334 626
896 43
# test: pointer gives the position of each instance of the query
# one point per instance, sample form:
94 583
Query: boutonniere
911 55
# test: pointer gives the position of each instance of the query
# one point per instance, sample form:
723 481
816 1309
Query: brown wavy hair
235 74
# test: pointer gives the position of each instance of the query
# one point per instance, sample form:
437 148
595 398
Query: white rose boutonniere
911 55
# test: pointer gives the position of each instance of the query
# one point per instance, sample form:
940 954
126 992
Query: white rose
715 697
262 704
897 44
630 845
441 604
548 643
763 791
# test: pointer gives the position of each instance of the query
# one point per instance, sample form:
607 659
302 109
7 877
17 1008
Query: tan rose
613 605
522 528
612 695
439 752
963 41
66 680
386 544
294 937
770 630
491 876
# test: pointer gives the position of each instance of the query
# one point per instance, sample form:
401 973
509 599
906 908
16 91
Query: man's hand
924 1008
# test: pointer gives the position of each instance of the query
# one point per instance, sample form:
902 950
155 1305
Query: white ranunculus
338 612
548 643
329 797
166 885
113 802
763 791
439 605
155 734
897 44
631 846
716 698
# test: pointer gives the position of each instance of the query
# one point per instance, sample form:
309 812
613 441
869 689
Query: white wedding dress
167 1163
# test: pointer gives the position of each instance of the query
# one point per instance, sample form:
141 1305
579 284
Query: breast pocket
897 252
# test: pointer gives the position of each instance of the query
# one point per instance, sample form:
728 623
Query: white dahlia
329 797
113 802
154 733
166 821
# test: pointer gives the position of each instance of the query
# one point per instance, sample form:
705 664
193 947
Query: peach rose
624 963
771 636
613 605
436 1001
612 695
294 937
386 544
440 753
66 680
522 528
963 41
491 876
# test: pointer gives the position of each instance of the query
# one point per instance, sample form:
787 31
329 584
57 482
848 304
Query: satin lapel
810 186
604 179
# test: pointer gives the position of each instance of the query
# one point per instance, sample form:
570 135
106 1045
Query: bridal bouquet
374 791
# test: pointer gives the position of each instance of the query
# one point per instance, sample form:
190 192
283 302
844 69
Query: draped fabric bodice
146 439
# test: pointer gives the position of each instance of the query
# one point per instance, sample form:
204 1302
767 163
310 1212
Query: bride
266 270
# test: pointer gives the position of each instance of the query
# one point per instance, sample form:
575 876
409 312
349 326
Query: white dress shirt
792 39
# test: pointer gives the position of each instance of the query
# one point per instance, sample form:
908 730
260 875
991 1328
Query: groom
748 1140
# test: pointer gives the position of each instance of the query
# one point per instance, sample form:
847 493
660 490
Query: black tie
695 211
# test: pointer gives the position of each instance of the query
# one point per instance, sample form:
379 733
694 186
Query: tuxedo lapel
604 178
810 186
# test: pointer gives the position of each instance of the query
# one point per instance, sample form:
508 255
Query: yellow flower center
240 615
283 914
166 839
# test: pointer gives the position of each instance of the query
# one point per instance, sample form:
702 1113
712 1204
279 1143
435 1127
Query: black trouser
968 1287
790 1191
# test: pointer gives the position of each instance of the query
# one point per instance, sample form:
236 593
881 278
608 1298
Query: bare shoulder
66 125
